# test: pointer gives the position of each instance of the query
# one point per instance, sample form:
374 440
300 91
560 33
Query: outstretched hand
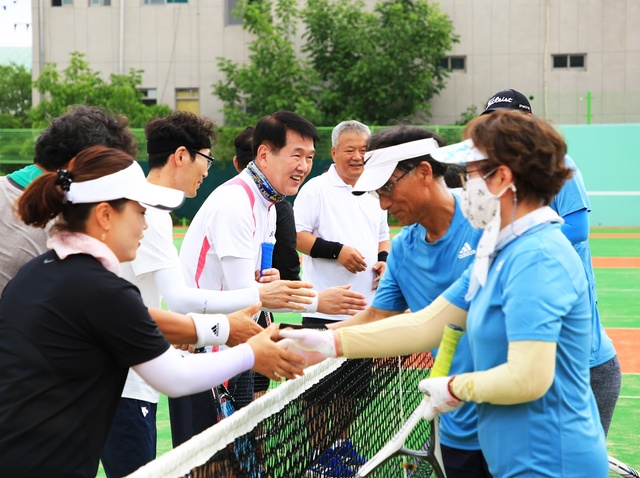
311 340
241 325
273 361
310 357
285 294
341 301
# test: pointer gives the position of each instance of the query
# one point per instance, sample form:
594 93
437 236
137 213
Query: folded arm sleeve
526 376
175 376
401 334
183 299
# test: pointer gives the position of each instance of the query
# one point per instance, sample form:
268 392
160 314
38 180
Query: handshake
312 345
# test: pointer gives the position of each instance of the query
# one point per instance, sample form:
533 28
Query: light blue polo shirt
572 198
418 272
537 290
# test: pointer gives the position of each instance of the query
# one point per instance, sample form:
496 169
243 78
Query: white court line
613 193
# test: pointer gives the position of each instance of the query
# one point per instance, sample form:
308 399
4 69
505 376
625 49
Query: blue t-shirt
572 198
537 290
417 272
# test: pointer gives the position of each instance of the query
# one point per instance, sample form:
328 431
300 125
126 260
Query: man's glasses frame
386 190
208 158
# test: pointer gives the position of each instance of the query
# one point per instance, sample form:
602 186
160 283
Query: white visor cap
379 164
129 183
463 153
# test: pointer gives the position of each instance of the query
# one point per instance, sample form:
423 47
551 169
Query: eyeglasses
386 189
208 158
464 177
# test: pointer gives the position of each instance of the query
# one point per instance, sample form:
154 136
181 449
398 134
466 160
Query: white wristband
211 329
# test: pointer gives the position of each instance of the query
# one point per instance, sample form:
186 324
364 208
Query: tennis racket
441 366
622 469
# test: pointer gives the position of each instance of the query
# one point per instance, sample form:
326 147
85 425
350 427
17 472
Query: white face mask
478 204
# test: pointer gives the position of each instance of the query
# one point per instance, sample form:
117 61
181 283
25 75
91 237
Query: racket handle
266 256
450 338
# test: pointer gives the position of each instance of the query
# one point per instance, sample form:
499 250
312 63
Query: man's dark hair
79 128
272 130
180 128
406 134
244 152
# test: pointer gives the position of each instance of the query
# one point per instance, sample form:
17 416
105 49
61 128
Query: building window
458 63
570 61
59 3
100 3
233 14
162 2
188 99
149 96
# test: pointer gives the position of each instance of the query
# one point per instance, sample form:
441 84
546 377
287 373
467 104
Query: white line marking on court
613 193
618 290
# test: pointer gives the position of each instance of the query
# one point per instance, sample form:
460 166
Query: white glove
211 329
310 358
322 341
441 399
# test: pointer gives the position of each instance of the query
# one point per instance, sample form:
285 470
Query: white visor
459 153
379 164
129 183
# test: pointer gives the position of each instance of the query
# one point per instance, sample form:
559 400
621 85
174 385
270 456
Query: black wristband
325 249
382 256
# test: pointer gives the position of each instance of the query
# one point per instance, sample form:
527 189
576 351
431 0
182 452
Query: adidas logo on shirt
466 251
215 329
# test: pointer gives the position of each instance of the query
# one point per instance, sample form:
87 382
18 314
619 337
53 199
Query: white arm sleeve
175 376
182 299
239 273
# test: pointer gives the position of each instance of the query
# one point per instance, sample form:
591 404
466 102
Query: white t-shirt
233 222
156 252
326 208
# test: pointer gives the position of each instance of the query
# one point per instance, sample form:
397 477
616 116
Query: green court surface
619 303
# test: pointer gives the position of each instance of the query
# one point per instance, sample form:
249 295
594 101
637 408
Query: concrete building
578 60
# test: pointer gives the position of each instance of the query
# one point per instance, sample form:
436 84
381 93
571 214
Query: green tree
275 78
467 115
15 96
79 84
380 67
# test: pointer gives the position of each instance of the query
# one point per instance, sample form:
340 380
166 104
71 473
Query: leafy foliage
380 67
467 115
79 84
15 96
275 78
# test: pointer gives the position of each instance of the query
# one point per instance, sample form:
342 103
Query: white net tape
200 448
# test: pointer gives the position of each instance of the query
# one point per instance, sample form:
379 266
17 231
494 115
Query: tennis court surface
616 259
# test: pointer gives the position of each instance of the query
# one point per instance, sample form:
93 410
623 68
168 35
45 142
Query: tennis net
326 423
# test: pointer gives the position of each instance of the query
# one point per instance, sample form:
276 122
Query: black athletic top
285 256
69 331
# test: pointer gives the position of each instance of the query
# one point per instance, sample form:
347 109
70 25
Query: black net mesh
330 429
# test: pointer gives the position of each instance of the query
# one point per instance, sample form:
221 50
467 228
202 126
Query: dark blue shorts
131 442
